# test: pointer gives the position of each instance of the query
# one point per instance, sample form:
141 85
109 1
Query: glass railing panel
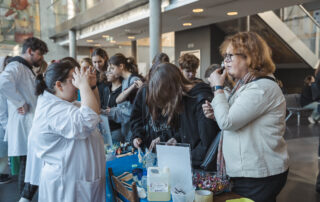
302 25
64 10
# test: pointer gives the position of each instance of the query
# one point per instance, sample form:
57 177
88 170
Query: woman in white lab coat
66 138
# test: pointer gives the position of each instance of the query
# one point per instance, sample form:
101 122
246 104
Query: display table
219 198
124 164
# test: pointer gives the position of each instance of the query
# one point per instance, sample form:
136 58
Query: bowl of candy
210 181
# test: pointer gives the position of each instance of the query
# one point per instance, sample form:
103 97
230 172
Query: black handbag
210 161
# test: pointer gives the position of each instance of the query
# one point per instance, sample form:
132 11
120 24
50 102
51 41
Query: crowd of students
58 137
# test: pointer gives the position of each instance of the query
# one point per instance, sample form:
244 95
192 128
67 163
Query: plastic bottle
144 180
158 184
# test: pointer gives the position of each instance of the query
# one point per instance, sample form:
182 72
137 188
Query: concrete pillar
239 25
72 44
155 28
134 49
248 23
56 51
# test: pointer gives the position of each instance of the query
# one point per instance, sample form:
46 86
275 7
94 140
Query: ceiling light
105 36
97 44
187 24
232 13
89 40
197 10
131 37
113 41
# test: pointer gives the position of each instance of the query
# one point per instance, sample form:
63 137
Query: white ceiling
173 18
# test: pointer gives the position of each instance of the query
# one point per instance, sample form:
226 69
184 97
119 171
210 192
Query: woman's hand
208 110
172 141
92 72
137 142
24 109
153 143
108 110
137 84
217 77
80 77
105 111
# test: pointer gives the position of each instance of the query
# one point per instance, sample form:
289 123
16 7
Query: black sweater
195 128
111 102
191 126
142 125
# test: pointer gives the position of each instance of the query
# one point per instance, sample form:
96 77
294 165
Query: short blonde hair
256 50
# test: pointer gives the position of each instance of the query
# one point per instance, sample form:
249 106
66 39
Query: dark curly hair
34 44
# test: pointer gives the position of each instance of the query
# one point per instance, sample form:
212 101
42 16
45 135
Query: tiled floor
302 143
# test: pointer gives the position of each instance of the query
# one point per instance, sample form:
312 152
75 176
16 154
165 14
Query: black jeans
22 170
28 191
260 189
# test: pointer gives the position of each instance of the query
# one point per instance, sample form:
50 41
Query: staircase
297 27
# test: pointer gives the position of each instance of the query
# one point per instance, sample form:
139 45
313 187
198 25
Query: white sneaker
24 200
311 120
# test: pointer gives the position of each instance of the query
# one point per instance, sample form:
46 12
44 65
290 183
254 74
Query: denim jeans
314 106
260 189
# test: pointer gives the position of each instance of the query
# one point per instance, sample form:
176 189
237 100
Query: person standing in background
17 85
115 89
100 63
189 64
4 167
86 63
128 70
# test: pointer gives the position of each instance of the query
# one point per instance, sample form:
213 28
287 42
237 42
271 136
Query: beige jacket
253 124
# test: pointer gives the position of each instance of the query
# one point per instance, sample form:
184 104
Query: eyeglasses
230 57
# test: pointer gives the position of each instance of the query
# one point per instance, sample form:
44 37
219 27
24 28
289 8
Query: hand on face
216 78
80 77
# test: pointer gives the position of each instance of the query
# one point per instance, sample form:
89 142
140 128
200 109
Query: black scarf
22 61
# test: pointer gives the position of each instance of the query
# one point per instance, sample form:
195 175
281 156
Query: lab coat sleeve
72 122
8 84
3 112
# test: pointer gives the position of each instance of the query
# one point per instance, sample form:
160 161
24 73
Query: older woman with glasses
252 119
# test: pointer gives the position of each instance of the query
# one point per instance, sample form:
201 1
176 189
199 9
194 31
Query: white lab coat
17 84
34 164
66 138
3 124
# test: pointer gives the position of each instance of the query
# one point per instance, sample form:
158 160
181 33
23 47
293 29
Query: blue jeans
314 106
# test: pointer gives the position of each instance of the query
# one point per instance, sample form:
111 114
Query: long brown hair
129 63
165 89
